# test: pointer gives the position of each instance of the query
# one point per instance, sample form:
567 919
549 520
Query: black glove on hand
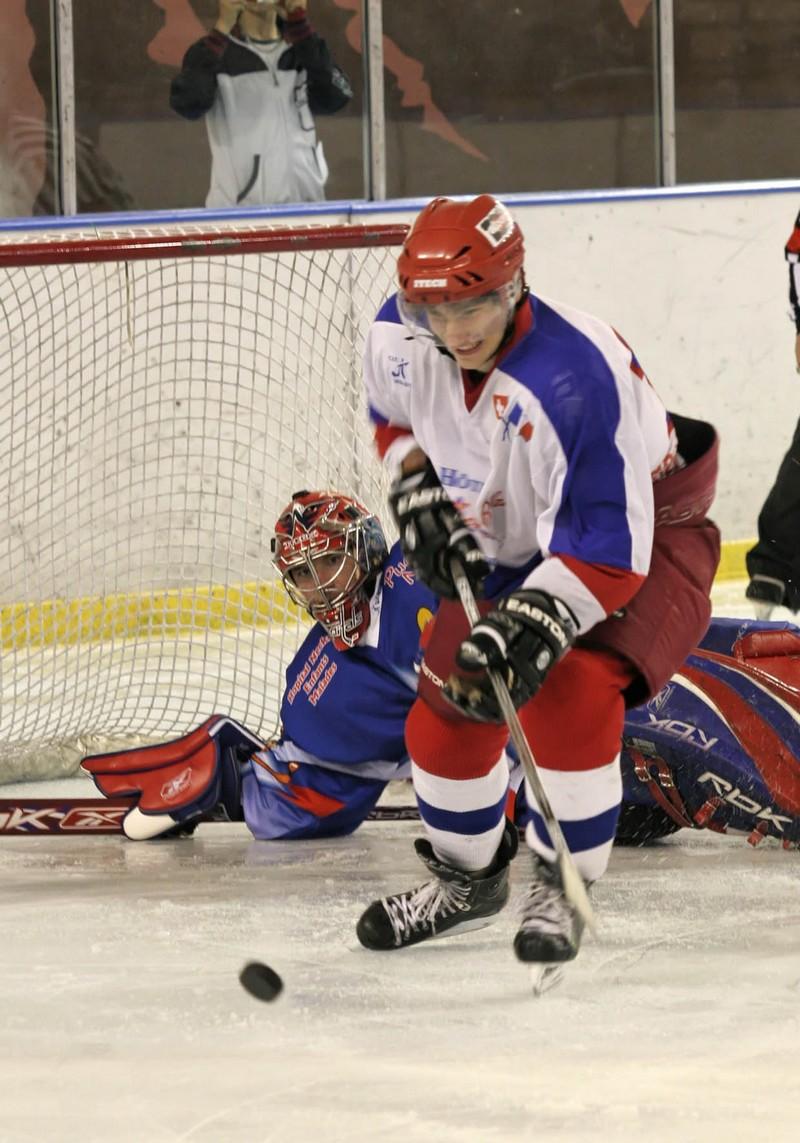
522 639
432 532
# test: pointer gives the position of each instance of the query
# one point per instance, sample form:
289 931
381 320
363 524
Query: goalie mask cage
162 395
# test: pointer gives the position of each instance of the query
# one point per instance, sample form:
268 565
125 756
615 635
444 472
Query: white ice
123 1020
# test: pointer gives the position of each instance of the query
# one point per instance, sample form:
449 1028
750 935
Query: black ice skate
551 928
453 902
767 593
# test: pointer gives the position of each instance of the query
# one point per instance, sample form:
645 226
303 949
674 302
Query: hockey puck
260 981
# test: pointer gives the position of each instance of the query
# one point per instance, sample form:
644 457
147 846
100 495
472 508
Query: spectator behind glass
259 77
773 564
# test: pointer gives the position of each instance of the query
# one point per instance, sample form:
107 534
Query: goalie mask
328 550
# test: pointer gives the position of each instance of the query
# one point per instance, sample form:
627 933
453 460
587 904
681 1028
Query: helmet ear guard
328 549
459 250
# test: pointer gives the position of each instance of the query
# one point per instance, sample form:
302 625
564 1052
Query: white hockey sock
586 803
464 819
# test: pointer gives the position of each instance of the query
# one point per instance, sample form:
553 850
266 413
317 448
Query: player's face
326 581
471 330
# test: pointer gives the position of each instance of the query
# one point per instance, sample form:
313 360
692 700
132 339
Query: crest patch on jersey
424 616
496 226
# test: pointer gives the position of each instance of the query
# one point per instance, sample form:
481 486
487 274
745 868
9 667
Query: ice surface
123 1020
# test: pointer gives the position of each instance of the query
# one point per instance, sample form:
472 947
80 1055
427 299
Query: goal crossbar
138 247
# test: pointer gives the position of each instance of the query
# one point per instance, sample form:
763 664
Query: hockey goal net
162 394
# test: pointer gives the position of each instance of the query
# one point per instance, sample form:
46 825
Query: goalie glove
432 532
522 639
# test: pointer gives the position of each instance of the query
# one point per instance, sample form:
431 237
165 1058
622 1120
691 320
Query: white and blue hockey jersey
552 467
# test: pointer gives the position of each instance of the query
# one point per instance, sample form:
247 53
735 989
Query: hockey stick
37 817
574 887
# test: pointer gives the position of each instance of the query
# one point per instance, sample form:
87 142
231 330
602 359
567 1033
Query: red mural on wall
410 76
635 10
181 28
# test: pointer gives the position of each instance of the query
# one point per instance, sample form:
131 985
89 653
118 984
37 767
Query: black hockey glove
432 532
522 639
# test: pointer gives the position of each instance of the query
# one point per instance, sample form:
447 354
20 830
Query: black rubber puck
260 981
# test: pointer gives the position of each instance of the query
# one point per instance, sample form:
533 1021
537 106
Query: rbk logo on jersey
512 418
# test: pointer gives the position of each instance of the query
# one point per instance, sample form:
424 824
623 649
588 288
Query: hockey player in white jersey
523 437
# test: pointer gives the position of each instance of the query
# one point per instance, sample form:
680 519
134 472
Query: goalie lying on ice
718 747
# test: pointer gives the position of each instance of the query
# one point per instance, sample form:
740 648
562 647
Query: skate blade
545 977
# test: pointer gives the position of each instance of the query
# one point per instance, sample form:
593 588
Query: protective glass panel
736 69
521 97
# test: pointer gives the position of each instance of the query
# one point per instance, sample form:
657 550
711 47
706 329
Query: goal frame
171 613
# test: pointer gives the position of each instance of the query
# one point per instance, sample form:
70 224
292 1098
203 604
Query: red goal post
162 393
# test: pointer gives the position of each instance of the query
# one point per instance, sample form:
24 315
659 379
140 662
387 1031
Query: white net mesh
155 416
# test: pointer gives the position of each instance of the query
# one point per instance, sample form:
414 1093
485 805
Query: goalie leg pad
178 781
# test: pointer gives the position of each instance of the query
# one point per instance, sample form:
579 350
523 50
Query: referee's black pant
777 553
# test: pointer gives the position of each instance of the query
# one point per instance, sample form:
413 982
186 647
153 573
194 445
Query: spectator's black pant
777 553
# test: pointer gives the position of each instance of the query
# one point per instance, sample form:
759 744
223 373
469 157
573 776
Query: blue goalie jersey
343 717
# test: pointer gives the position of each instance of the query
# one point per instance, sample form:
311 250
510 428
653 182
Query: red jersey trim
386 435
611 587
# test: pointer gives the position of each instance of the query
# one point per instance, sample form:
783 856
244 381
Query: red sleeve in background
386 435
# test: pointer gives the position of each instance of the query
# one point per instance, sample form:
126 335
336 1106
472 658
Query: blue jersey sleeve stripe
389 312
376 417
595 476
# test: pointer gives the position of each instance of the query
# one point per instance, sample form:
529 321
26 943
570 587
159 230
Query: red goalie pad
775 653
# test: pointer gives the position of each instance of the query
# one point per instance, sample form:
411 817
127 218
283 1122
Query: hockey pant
574 727
777 553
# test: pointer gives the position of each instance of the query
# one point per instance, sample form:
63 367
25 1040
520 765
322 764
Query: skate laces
545 908
409 912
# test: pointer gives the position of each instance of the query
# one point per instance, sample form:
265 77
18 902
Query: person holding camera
259 78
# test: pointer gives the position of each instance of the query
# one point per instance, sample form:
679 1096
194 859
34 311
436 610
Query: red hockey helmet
458 250
328 549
